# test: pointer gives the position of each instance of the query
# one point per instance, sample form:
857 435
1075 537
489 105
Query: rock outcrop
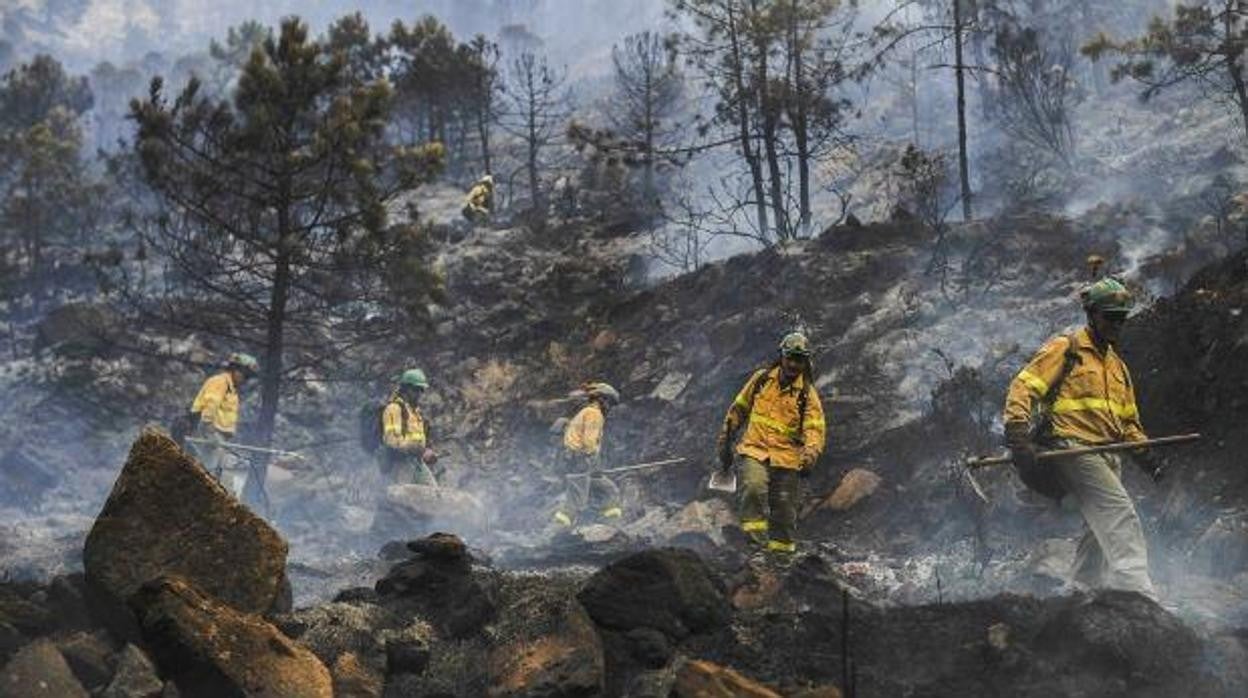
167 516
211 649
39 671
669 589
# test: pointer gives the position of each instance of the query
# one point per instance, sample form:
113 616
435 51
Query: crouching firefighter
1076 391
214 414
784 435
586 487
405 456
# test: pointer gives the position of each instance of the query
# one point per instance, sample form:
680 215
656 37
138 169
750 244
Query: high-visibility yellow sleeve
1034 380
584 432
738 411
814 425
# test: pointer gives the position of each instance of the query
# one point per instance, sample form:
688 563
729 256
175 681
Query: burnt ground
912 366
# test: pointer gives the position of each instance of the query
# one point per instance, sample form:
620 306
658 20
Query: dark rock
562 657
203 535
394 550
211 649
18 610
10 641
1122 633
90 656
669 589
136 676
357 595
67 597
650 647
408 655
39 670
440 546
446 591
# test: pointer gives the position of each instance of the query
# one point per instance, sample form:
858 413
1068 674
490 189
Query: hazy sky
84 32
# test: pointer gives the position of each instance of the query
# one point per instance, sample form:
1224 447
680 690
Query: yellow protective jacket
480 198
772 433
1095 403
583 434
396 434
217 403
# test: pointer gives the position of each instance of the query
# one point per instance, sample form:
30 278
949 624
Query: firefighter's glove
1022 448
1152 463
806 460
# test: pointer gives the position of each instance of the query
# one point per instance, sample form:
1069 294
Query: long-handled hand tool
229 445
985 461
632 468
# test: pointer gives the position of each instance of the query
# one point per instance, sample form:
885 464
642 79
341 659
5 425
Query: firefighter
215 412
1078 392
405 455
581 457
784 433
479 203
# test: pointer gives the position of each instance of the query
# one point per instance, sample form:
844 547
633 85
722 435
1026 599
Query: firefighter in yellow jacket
216 409
1077 391
405 453
479 202
784 433
582 447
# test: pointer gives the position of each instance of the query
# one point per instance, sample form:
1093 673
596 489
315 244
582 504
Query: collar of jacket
1085 340
797 384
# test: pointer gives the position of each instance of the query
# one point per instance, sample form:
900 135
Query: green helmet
1108 296
795 344
415 378
244 362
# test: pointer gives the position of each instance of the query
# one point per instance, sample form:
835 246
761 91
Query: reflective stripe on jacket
1095 403
217 403
583 434
771 428
394 433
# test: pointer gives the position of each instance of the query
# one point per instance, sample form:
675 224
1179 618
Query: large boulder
439 584
211 649
702 679
1120 633
410 510
559 658
135 678
167 516
668 589
39 671
855 486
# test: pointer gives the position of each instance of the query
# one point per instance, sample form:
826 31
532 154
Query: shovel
723 480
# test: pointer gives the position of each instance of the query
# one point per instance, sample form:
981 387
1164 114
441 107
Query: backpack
799 438
1040 477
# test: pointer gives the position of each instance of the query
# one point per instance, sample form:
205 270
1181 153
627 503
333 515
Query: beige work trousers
1112 552
219 462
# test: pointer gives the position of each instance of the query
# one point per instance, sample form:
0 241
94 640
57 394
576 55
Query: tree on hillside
232 55
30 92
773 68
273 210
49 197
50 200
534 110
480 92
365 55
648 91
1203 43
1038 90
